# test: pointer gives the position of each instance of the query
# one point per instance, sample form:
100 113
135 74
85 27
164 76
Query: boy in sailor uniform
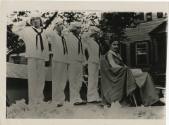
76 60
92 46
59 61
37 53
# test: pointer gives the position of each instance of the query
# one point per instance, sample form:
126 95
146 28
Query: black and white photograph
86 64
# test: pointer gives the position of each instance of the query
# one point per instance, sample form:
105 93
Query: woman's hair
113 39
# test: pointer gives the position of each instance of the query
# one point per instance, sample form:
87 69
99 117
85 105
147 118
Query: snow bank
89 111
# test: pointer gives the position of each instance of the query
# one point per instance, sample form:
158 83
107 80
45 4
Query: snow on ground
89 111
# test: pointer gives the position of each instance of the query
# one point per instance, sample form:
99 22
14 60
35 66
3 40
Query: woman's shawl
116 83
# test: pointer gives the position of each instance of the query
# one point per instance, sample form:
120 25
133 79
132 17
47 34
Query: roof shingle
141 32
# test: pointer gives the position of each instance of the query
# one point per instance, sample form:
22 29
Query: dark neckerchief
80 48
98 42
65 50
39 35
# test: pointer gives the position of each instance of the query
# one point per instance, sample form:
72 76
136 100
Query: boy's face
59 28
78 30
36 22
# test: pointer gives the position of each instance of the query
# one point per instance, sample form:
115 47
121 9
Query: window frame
146 54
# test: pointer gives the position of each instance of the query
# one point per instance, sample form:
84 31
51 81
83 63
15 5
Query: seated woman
119 82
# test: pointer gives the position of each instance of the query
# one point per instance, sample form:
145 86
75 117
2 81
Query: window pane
160 15
142 53
149 16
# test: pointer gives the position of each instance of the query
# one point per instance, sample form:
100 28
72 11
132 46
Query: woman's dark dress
119 82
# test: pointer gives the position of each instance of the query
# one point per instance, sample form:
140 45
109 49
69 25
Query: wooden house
146 48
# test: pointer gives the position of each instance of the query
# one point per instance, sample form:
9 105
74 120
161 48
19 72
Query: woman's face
115 46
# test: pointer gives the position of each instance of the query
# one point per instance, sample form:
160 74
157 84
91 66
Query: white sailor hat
85 28
33 15
75 25
94 29
9 22
58 21
19 26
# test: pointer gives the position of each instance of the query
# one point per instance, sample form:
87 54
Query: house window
141 16
138 18
142 54
160 15
149 16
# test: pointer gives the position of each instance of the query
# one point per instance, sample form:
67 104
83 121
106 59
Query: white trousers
36 79
75 79
93 76
59 79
